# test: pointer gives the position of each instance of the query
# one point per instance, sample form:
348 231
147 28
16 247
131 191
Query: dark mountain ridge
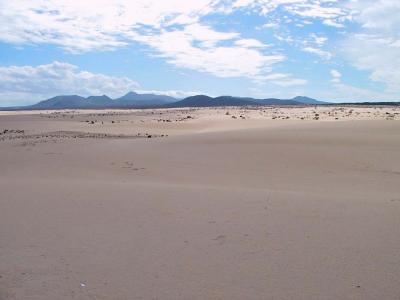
136 100
207 101
133 98
98 101
65 101
129 100
307 100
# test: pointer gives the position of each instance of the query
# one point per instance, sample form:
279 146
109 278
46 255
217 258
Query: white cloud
20 85
347 92
378 14
270 25
175 30
280 79
333 23
290 82
207 36
250 43
91 24
377 48
378 55
170 28
27 84
265 6
179 48
316 9
321 53
336 76
172 93
288 39
318 40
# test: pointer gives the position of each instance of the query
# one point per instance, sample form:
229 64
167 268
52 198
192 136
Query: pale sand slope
280 210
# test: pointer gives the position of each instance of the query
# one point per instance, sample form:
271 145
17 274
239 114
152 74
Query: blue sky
335 50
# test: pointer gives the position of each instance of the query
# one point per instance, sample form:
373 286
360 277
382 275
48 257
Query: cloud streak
376 49
27 84
172 29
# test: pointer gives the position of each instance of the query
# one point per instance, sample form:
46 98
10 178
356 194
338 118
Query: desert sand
210 203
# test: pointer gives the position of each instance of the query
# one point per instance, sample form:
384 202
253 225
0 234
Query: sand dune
276 203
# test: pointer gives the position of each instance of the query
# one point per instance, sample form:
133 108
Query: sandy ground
222 203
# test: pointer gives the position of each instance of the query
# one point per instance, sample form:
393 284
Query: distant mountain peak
144 99
130 93
302 98
307 100
99 97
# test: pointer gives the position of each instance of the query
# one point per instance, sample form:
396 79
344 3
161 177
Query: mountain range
204 101
136 100
131 99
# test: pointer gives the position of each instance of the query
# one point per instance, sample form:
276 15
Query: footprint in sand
221 239
130 165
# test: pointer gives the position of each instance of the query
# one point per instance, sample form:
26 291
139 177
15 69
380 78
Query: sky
333 50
